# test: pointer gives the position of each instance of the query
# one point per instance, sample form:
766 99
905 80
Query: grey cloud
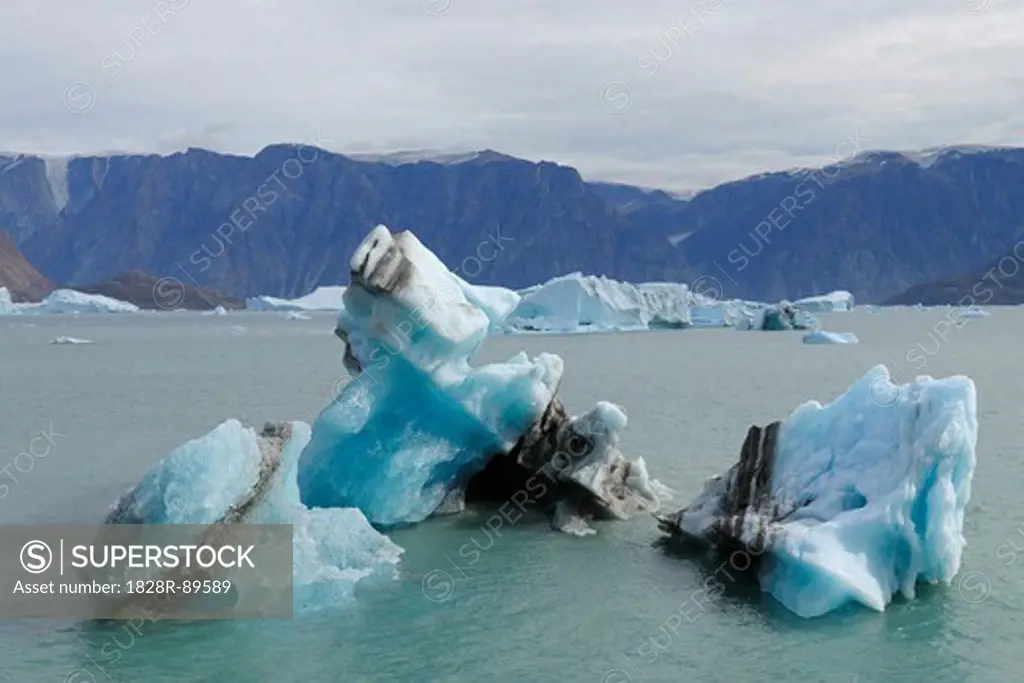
746 88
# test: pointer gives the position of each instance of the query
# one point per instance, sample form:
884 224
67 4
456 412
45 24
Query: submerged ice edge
854 501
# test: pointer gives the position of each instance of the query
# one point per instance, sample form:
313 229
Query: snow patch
57 178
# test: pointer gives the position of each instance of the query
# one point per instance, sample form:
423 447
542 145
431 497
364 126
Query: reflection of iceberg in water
416 432
854 501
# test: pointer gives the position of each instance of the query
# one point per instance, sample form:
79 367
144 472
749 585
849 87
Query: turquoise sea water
534 605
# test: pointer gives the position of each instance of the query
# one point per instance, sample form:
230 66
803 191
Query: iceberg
706 312
839 300
416 431
823 337
296 315
219 310
973 312
234 475
70 340
320 299
779 317
7 306
72 301
434 433
578 302
851 502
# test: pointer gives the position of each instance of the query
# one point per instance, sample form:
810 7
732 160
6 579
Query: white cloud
717 89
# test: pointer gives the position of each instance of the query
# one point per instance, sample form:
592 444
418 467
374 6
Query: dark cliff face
881 224
21 279
1000 283
146 291
286 221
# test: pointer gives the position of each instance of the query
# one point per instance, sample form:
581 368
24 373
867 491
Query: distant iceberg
776 318
973 312
219 310
823 337
854 501
578 302
320 299
839 300
709 313
296 315
7 306
70 340
67 301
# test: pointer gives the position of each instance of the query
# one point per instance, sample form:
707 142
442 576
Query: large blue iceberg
235 475
855 501
406 437
417 431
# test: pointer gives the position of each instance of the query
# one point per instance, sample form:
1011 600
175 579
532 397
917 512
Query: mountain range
286 220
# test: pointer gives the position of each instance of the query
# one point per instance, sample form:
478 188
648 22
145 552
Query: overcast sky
678 95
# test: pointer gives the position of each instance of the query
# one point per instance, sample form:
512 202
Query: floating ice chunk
578 302
709 313
296 315
237 329
234 475
854 501
408 434
779 317
70 340
973 312
416 413
823 337
71 301
839 300
220 310
7 306
327 298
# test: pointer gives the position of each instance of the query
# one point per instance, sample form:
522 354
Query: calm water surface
535 605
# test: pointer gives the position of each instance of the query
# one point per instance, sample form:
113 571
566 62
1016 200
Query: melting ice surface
404 436
235 475
887 472
865 495
416 413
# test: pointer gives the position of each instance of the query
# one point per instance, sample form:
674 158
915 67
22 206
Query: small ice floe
296 315
70 340
973 312
237 329
823 337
